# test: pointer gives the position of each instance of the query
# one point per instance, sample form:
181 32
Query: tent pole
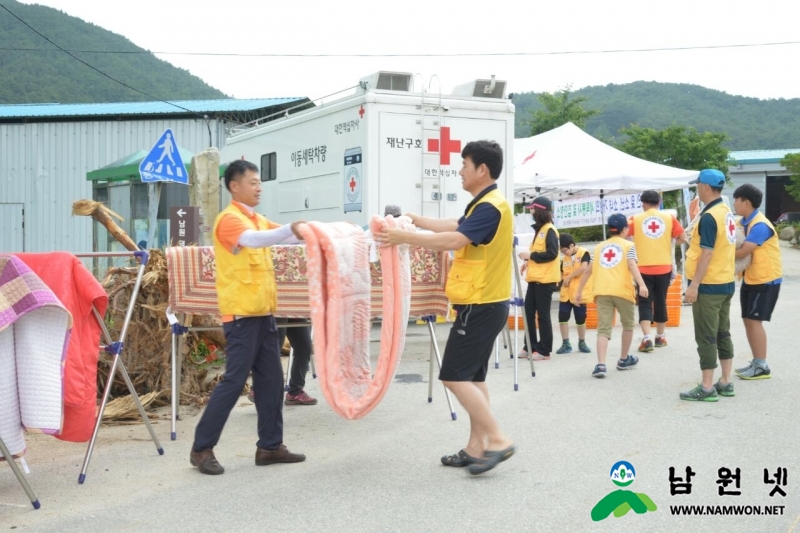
603 213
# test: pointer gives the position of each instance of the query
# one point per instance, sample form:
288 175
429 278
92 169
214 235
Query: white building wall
44 165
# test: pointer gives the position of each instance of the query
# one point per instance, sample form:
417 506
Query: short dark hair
749 192
650 197
236 169
565 240
486 153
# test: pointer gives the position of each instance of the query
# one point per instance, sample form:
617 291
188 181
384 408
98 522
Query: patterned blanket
191 271
34 332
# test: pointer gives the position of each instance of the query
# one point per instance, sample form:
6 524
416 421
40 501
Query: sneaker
628 362
754 371
697 394
523 354
646 346
583 347
566 347
661 341
301 398
599 371
724 390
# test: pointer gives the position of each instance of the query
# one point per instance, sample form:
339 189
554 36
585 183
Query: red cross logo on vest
653 227
611 255
730 226
446 147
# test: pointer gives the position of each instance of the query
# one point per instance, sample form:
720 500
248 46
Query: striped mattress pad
191 272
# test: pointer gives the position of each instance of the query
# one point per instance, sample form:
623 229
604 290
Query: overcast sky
445 26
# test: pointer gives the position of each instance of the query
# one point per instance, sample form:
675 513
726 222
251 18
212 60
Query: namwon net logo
621 501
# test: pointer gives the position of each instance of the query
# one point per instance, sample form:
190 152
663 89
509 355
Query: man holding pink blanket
478 287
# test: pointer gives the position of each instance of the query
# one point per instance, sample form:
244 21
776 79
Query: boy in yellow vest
575 260
762 279
612 275
652 231
710 274
247 297
478 286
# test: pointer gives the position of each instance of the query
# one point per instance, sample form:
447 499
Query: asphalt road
382 473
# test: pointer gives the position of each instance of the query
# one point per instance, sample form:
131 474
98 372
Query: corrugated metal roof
139 108
761 156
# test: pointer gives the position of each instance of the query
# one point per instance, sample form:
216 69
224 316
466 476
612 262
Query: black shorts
469 346
758 301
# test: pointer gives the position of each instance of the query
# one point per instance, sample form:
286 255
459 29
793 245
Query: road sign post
162 163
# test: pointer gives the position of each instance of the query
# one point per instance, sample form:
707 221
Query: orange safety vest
653 238
482 274
568 266
245 280
766 264
543 272
610 273
722 267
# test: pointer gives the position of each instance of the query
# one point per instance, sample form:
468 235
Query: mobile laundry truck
385 144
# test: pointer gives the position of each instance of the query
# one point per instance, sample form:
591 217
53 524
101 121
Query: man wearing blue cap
710 266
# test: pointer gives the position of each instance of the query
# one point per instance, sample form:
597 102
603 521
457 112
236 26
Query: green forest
52 76
750 123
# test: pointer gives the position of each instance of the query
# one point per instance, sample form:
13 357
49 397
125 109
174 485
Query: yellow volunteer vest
569 265
543 272
246 280
482 274
721 269
766 264
610 274
652 236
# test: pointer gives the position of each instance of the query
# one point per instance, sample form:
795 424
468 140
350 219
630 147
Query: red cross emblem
610 256
448 146
353 184
361 112
731 227
654 226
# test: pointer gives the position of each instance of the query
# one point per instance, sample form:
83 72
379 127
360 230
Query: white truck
385 144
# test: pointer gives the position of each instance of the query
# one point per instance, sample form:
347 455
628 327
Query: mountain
53 76
751 124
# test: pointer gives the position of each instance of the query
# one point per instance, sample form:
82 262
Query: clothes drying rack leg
115 349
20 476
431 320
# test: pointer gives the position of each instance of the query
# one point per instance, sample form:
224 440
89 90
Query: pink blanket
339 286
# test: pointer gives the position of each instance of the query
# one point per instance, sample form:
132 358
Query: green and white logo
621 501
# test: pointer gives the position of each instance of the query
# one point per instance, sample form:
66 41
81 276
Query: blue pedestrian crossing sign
164 162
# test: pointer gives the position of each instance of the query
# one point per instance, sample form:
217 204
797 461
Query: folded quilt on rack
191 272
34 332
78 291
338 272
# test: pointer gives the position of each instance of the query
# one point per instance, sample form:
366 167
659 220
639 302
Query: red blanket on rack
77 289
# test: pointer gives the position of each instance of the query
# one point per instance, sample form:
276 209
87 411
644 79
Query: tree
558 110
677 146
792 163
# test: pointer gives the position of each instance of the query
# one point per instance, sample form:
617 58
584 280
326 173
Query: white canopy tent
566 161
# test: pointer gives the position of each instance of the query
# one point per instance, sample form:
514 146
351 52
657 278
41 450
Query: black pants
300 339
654 307
537 303
251 343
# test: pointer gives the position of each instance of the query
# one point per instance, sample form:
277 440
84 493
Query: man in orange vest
652 231
710 274
247 296
612 275
762 279
478 287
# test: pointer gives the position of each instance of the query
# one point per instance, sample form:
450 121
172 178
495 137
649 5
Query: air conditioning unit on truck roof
386 144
